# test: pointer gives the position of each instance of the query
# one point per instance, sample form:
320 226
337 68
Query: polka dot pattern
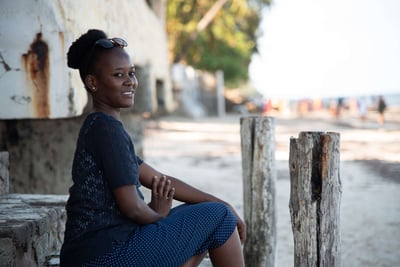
190 229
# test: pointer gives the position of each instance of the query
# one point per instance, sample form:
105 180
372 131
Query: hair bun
79 49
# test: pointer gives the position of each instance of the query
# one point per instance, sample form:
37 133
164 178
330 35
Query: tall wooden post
259 176
315 196
4 173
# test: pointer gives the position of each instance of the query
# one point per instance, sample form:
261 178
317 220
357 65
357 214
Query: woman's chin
128 104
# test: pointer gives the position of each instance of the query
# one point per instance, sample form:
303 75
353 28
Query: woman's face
114 81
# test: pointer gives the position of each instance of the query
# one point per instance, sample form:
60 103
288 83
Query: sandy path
206 153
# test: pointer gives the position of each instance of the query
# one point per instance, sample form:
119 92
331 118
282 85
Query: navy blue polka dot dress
97 234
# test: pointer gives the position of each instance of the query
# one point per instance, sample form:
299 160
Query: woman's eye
118 74
132 74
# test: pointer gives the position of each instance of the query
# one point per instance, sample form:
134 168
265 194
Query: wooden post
4 173
259 176
315 195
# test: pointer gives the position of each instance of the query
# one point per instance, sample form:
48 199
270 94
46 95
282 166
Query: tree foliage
214 35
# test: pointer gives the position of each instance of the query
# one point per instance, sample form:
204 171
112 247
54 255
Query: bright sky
328 48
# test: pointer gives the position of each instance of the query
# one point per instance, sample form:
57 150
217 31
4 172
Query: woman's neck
112 112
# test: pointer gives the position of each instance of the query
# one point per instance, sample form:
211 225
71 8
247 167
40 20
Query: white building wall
34 38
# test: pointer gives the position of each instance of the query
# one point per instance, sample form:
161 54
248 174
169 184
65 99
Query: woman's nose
134 82
130 80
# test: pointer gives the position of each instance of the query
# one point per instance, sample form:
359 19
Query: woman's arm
183 191
133 207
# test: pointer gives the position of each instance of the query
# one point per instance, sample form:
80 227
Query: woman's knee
224 210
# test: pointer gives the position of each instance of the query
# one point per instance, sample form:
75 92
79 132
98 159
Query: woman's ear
90 82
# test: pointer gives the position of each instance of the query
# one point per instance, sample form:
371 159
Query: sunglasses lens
110 43
120 42
105 43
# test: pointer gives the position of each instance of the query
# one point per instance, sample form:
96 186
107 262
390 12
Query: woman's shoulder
101 119
101 116
98 123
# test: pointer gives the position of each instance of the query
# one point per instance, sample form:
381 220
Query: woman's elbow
141 215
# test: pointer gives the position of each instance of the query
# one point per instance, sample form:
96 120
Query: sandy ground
206 153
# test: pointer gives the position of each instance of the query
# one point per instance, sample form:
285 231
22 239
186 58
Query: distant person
108 222
381 110
339 107
362 108
267 106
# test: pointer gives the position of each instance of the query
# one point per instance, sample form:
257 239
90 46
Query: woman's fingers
158 187
171 193
162 195
154 185
242 231
167 188
161 187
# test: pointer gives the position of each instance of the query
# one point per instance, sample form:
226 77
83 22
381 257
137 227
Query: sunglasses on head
106 43
111 42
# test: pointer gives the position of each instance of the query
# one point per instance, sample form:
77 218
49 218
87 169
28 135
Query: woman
109 224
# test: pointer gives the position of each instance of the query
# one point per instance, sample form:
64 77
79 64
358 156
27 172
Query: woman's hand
241 229
241 226
162 194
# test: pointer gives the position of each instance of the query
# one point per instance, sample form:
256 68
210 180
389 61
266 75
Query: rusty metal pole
315 196
259 178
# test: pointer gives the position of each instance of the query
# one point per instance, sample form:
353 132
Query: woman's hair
82 53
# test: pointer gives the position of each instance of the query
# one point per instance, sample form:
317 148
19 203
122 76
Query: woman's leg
190 229
229 254
195 260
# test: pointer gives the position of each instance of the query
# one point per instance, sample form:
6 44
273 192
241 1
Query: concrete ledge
31 228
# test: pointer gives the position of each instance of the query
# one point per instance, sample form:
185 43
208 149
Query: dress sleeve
139 160
115 153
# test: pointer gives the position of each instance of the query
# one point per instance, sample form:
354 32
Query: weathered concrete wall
41 151
35 36
43 103
31 226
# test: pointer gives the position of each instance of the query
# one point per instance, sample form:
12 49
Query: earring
94 89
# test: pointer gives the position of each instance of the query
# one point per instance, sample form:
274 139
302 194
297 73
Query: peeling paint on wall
62 40
6 66
21 99
37 67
